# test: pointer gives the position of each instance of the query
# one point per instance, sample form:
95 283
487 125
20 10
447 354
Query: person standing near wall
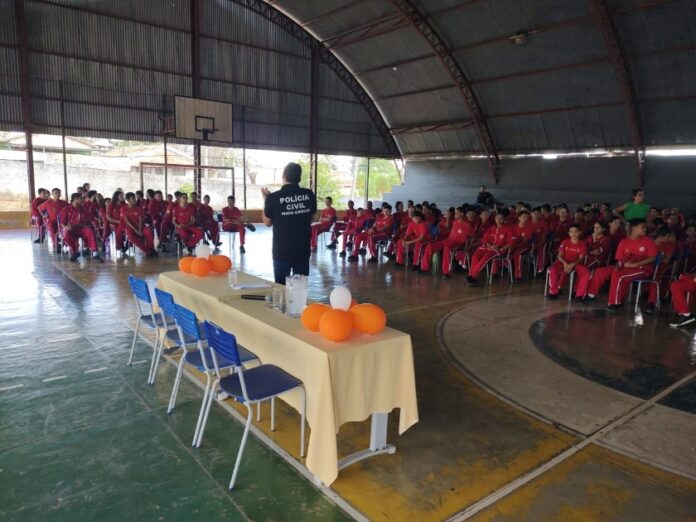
484 197
635 209
290 211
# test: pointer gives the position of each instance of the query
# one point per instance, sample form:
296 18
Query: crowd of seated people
598 244
148 221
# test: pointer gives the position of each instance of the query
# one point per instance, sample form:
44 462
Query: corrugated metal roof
8 34
557 89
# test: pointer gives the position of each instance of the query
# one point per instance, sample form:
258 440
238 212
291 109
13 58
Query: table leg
378 442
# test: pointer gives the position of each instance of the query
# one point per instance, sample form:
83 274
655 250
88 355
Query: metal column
313 122
21 25
367 182
62 136
196 83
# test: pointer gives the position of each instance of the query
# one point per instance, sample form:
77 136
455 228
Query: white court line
141 361
57 378
524 479
95 370
13 387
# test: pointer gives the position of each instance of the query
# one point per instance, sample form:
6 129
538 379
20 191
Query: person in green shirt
636 209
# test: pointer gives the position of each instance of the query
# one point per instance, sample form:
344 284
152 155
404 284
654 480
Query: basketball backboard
204 120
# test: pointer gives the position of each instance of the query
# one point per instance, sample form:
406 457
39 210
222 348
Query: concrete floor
100 444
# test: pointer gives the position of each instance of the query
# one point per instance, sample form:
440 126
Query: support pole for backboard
196 83
166 173
244 165
62 136
21 26
367 182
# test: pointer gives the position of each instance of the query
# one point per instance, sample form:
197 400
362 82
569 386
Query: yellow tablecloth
344 382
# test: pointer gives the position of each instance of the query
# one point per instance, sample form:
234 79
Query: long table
366 375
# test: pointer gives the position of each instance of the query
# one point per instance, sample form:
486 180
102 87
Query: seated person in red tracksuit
114 223
233 221
445 223
416 235
380 230
349 216
689 248
616 231
75 224
401 220
207 221
353 228
50 209
369 211
133 222
560 232
326 220
598 246
541 236
459 234
184 221
571 255
634 260
156 208
166 226
666 243
522 235
36 217
495 242
679 290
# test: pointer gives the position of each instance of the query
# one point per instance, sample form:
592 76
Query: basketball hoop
205 125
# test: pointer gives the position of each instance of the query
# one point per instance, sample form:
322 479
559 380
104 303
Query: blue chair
146 315
165 302
201 359
249 386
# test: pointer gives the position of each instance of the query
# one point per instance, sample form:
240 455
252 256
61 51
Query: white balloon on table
203 251
341 298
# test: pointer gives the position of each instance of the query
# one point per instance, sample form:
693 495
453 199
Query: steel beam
364 32
600 15
25 89
435 126
421 25
329 59
332 12
196 83
314 120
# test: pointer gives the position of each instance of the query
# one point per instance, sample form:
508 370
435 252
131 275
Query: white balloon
340 298
203 251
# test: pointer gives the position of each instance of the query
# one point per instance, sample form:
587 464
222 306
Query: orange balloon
368 318
200 267
353 303
220 264
185 264
311 315
335 325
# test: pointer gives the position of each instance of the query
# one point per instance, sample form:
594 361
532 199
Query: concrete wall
669 181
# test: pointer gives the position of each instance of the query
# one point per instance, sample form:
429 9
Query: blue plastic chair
165 302
201 358
146 315
250 386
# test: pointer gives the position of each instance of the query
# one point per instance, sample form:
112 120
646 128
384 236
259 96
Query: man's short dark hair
662 231
74 196
292 173
575 225
636 221
129 195
329 198
417 214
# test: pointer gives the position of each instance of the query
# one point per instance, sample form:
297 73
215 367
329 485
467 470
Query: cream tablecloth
344 382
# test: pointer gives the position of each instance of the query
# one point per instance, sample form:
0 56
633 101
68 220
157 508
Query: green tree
186 188
383 176
329 184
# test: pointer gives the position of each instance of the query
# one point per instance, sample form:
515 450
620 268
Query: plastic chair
165 302
250 386
505 263
646 281
146 314
570 288
200 358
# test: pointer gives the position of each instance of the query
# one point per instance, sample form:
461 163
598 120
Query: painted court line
13 387
57 378
524 479
141 361
95 370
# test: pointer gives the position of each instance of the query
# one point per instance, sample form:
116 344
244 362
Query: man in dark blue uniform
290 212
